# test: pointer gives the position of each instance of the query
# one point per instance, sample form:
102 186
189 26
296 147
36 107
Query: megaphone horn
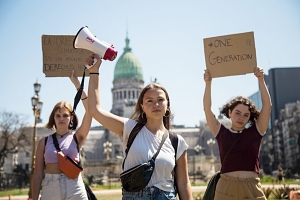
84 39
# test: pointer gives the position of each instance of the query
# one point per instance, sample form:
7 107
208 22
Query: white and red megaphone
84 39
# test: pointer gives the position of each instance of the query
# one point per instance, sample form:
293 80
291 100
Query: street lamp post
37 107
211 143
197 149
107 149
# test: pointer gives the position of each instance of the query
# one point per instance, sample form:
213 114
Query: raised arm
211 119
85 126
110 121
264 116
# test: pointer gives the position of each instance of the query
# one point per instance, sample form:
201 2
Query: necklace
61 136
238 131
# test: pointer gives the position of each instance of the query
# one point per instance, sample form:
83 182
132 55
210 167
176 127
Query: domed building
127 83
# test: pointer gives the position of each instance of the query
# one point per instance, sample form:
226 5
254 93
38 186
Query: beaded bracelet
84 98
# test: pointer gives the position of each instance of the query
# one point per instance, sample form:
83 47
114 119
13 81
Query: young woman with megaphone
153 112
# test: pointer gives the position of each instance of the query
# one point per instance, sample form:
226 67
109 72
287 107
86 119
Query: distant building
128 82
287 137
283 84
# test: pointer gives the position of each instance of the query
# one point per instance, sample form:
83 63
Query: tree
13 134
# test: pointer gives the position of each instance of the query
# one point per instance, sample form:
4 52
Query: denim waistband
144 191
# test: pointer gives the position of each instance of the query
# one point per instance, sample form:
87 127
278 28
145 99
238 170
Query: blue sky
166 37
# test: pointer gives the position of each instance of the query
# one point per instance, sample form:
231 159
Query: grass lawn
24 191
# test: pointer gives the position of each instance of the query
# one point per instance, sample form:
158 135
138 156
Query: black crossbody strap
75 138
57 145
174 141
136 129
161 143
133 135
55 142
231 149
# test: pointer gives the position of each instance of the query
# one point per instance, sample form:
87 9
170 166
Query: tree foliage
13 134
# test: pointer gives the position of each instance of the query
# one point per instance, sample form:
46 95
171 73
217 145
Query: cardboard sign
60 57
230 54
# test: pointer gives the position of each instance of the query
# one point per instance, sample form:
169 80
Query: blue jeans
149 193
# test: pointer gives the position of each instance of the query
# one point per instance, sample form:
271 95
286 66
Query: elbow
92 111
270 106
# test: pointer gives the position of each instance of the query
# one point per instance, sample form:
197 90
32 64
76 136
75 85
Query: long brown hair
138 113
60 105
254 112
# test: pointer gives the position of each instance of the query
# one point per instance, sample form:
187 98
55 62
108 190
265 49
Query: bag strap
161 143
133 135
231 149
55 142
131 138
57 146
174 141
75 138
79 92
46 139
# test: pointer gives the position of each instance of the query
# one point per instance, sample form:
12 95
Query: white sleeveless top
144 147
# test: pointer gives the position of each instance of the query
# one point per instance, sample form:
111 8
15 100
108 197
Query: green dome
128 66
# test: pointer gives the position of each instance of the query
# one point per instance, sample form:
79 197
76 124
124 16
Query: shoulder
42 142
129 122
254 128
128 126
181 146
222 129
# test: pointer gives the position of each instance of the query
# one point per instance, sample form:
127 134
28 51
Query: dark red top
245 154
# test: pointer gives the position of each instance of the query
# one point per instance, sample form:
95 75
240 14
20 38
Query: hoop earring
71 125
143 115
167 111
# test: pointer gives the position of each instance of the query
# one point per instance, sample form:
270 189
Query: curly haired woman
239 174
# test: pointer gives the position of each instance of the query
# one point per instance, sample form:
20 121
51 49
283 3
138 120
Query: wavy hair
254 112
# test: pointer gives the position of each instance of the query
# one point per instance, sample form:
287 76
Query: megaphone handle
95 60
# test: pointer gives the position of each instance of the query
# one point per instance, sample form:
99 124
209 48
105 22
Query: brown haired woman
153 112
55 184
239 175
